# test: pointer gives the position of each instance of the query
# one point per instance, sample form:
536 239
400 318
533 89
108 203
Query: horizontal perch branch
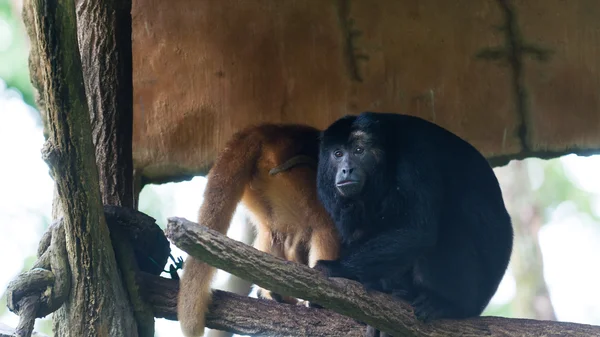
345 296
251 316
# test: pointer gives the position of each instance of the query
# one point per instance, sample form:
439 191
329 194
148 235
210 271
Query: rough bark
104 33
46 286
29 306
128 265
97 304
344 296
236 284
250 316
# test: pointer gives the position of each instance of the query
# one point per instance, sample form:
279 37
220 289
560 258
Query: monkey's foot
428 307
312 305
372 332
308 304
269 295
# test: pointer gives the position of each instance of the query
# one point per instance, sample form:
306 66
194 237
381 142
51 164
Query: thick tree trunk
98 304
104 34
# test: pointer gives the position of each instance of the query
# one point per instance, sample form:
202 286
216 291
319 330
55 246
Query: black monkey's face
354 162
350 177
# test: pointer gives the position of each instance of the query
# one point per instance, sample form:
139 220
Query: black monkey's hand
372 332
331 268
313 305
428 308
328 268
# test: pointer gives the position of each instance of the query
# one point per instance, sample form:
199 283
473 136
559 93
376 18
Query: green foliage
557 188
14 69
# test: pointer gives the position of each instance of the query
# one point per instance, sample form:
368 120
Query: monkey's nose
347 170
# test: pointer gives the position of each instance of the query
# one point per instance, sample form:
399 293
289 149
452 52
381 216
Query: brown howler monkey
271 169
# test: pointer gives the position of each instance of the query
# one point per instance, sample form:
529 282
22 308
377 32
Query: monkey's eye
359 150
338 153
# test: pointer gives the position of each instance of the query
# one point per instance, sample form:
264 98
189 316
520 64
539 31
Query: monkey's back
473 216
286 201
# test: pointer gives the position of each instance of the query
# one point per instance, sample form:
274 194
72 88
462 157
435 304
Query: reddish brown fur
290 221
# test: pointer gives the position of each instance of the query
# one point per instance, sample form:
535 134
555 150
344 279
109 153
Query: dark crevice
514 55
351 54
513 52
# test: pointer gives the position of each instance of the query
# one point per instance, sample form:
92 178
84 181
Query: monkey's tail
227 179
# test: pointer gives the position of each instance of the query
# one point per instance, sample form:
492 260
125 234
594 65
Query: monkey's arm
411 230
390 251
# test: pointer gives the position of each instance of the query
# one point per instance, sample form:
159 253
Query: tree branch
104 32
251 316
46 286
345 296
97 303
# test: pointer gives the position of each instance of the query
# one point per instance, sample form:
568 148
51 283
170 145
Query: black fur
429 224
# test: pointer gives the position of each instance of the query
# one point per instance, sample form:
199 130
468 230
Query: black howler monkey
419 210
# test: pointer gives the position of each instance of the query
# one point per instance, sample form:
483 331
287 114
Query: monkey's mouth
347 182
